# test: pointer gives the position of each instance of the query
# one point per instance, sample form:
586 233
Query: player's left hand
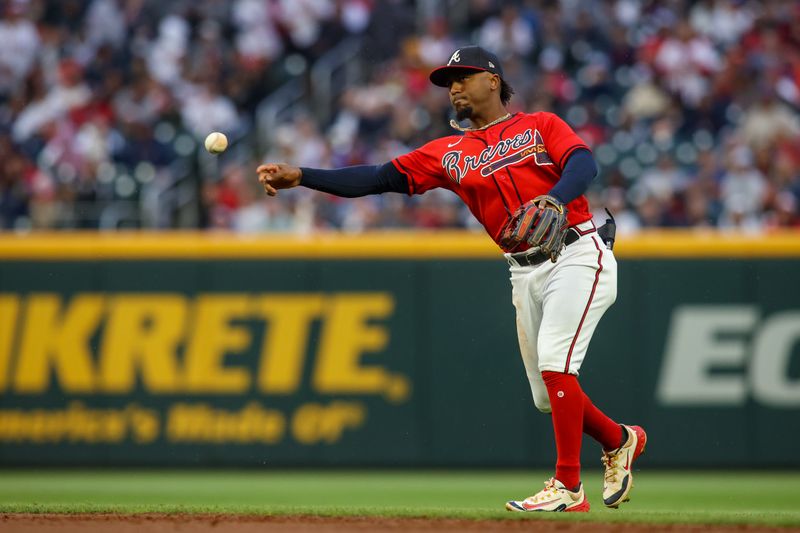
540 222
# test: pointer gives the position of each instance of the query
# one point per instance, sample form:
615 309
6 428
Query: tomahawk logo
542 157
455 58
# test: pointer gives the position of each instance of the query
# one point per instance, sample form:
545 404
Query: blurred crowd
692 108
104 103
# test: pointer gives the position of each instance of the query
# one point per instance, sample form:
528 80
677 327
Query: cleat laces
549 490
611 462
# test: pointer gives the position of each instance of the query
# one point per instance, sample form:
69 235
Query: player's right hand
274 176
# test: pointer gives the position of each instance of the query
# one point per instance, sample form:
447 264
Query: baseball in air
216 142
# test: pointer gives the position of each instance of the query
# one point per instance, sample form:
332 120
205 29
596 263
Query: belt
528 258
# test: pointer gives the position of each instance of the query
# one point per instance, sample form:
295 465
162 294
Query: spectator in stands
687 61
21 44
743 191
508 34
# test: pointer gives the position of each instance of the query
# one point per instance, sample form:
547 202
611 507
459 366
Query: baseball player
523 177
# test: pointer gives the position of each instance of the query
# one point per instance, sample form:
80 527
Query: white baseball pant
559 306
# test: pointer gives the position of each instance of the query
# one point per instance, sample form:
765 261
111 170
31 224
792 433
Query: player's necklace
455 125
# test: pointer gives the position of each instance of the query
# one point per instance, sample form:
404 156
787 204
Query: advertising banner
180 358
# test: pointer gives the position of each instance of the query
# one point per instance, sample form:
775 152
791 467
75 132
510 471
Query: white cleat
554 498
618 478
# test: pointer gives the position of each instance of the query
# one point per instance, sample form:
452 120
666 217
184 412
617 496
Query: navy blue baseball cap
466 58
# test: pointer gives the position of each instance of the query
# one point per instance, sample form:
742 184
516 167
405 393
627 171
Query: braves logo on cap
466 58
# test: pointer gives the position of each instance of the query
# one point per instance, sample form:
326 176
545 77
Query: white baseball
216 142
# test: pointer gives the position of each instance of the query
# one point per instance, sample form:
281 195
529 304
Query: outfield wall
386 349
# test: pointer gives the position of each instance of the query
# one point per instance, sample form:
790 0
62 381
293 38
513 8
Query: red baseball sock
566 401
598 426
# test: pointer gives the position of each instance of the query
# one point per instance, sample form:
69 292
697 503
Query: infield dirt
160 523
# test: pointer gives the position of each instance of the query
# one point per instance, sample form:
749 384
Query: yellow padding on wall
375 245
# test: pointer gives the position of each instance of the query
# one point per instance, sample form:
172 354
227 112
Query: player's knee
542 402
539 392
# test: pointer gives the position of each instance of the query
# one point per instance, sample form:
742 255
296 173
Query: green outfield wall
380 350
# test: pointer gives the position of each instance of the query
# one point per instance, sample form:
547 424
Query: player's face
470 92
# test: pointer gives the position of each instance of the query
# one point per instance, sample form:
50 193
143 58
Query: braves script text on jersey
497 169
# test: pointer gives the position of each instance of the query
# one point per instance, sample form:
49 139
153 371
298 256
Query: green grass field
770 498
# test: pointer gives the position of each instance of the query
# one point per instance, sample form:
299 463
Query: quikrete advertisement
113 368
380 362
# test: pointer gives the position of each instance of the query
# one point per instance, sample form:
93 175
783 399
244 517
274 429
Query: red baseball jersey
496 170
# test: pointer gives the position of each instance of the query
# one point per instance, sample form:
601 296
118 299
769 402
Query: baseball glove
540 222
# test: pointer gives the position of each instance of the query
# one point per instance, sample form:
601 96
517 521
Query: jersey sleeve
559 139
423 168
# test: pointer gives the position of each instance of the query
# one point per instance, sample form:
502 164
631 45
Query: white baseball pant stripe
559 306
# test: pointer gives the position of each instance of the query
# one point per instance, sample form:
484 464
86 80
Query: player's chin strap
456 126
